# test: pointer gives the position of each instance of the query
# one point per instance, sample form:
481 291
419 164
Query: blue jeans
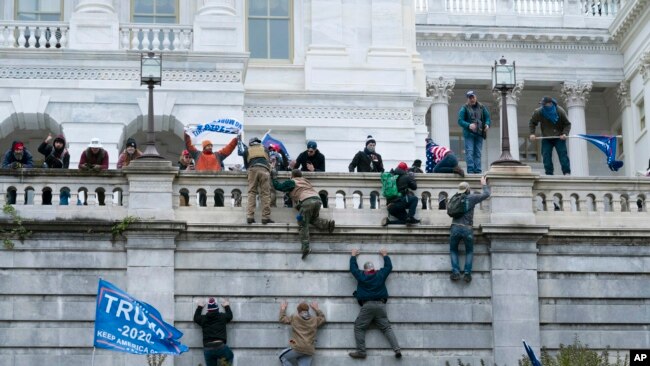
466 234
289 357
447 164
473 147
547 155
213 356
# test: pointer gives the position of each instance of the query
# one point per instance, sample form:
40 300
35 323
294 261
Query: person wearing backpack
398 187
461 209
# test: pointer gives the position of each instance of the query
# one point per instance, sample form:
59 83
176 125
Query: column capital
440 89
623 94
576 93
644 66
217 7
95 6
512 97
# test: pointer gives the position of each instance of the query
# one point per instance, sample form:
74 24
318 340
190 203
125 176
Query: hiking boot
384 221
267 221
398 354
250 221
357 354
412 220
330 226
305 252
467 277
458 170
455 276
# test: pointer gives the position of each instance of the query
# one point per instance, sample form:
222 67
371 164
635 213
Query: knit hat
212 305
402 166
417 163
370 139
303 307
254 141
547 99
463 187
311 144
130 142
205 143
18 145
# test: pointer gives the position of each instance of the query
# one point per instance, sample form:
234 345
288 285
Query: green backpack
457 205
389 186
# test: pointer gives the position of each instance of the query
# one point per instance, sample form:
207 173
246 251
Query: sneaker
330 226
455 276
384 221
250 221
467 277
357 354
305 252
267 221
398 354
458 170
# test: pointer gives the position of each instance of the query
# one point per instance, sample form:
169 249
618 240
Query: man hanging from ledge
308 202
213 325
303 334
206 160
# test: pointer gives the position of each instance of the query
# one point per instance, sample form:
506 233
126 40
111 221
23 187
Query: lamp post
504 79
150 74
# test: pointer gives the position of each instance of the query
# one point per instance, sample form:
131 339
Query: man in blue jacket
372 295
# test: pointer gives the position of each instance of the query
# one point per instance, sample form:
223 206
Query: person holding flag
215 337
553 121
207 160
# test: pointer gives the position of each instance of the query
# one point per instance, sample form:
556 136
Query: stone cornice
440 89
524 45
576 93
328 112
126 74
626 18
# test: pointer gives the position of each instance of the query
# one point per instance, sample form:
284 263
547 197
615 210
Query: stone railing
539 7
156 37
35 35
601 8
471 6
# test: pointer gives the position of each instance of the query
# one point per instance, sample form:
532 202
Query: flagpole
572 136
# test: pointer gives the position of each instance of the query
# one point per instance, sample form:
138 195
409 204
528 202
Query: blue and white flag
531 355
606 144
125 324
224 125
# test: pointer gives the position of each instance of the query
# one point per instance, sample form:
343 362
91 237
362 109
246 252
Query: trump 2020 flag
224 125
125 324
531 355
268 140
606 144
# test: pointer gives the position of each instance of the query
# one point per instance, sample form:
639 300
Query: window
39 10
154 11
641 108
528 150
269 29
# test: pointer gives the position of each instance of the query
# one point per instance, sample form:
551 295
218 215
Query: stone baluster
145 39
155 43
617 203
56 197
187 40
52 41
21 37
177 40
42 41
600 204
566 203
349 202
576 95
135 42
37 197
11 38
32 37
63 42
166 42
2 36
440 90
125 39
623 94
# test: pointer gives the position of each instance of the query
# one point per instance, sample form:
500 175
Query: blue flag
125 324
224 125
531 355
606 144
268 140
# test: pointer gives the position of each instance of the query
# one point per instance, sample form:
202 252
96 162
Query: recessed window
269 29
39 10
154 11
641 108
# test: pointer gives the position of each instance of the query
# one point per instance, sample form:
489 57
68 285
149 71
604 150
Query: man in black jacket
372 295
368 160
311 160
403 207
213 324
56 155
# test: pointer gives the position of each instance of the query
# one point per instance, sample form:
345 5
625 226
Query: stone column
623 94
150 189
387 27
576 94
94 26
420 108
440 90
645 73
513 129
326 24
217 27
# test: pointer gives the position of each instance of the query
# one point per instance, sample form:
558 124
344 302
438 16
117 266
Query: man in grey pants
372 295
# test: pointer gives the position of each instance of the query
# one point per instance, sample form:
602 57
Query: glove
97 168
16 165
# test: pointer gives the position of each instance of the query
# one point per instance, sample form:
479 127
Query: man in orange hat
206 159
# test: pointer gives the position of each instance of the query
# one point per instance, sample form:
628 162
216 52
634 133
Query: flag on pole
125 324
531 355
268 140
606 144
224 125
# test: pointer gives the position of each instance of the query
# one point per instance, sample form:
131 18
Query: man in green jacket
554 122
303 334
474 118
308 202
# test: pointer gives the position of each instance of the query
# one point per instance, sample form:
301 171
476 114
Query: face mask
18 155
371 148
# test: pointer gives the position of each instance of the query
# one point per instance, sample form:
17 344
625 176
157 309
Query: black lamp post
504 79
150 74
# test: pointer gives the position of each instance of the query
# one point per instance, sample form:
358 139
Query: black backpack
458 205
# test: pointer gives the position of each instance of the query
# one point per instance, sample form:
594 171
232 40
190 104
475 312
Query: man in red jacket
94 157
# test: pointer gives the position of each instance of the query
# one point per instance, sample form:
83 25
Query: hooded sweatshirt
303 331
57 159
213 324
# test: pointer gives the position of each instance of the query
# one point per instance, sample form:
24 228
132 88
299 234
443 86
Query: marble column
440 90
216 7
512 98
326 24
94 26
623 94
95 6
387 27
576 93
218 27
